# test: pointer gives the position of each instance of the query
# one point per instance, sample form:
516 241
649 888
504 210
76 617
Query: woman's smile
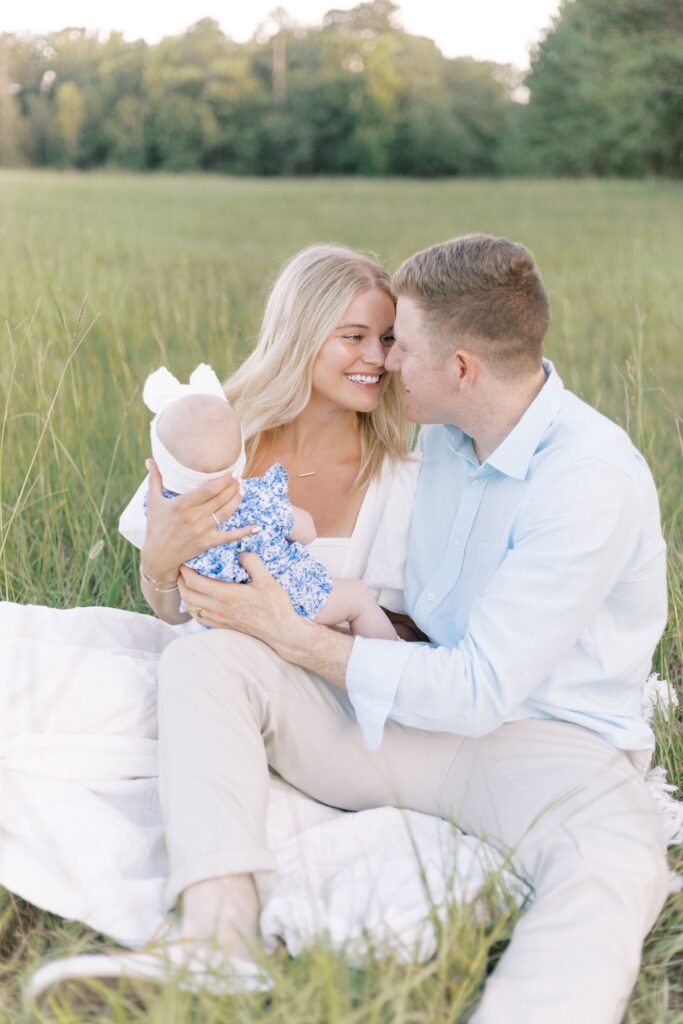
365 380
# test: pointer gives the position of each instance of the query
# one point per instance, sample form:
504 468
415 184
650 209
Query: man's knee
621 876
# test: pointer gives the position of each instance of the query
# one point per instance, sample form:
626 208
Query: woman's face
348 372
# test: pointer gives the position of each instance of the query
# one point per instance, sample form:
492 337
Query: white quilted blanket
80 829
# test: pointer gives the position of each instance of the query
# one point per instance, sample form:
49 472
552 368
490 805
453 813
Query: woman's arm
179 529
164 602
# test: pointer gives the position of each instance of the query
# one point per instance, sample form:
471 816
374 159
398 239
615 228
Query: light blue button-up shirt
539 577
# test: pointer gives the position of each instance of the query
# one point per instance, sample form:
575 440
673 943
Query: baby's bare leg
352 602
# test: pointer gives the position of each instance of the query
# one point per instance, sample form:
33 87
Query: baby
198 436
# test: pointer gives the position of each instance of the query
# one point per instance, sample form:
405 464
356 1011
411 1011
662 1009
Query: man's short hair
480 292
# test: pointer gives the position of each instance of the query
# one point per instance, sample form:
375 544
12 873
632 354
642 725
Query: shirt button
431 597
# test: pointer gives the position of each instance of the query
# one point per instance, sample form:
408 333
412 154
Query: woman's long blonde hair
273 385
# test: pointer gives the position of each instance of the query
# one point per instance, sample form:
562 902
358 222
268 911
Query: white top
333 552
376 550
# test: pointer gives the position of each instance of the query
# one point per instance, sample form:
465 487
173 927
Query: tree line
353 95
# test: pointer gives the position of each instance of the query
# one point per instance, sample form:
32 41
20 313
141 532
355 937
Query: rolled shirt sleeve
571 543
372 676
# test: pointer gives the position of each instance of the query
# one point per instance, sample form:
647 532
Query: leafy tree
606 94
40 136
126 133
71 105
10 114
353 95
451 114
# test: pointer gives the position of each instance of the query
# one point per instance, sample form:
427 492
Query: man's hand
262 609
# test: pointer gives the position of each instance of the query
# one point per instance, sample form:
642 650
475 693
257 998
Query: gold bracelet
160 590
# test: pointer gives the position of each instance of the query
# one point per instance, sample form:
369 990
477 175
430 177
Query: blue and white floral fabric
266 504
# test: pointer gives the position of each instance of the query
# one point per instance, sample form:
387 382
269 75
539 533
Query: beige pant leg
572 808
228 708
583 828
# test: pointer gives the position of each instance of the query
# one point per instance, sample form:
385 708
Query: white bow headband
161 390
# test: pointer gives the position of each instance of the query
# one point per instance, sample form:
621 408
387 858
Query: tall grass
103 278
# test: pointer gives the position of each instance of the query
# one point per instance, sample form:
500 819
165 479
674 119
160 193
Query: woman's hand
262 608
182 528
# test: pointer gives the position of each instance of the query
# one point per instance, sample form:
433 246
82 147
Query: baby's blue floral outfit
266 503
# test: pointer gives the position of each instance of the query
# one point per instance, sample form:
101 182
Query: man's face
429 385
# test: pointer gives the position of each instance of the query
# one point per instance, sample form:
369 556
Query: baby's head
202 432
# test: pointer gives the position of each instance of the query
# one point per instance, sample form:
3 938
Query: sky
498 30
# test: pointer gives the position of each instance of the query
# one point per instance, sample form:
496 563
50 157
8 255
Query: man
536 568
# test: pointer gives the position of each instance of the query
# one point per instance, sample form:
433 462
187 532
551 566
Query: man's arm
568 553
264 610
318 649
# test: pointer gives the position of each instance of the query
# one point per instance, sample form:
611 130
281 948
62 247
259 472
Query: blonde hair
484 290
273 385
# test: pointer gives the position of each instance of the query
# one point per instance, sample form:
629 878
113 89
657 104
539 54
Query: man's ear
464 367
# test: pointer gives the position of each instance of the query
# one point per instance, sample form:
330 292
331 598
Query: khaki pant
574 810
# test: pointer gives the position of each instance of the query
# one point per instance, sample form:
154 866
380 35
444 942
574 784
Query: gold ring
198 613
216 519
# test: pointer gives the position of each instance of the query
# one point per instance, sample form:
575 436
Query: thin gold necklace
308 472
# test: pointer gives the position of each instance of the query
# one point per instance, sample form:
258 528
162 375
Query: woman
314 396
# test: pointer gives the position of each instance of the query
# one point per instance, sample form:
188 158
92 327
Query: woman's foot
225 912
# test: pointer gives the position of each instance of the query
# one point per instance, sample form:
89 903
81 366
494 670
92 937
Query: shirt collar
513 455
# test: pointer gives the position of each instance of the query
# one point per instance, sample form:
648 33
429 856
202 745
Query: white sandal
192 967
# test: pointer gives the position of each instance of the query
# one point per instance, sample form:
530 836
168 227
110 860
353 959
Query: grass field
104 277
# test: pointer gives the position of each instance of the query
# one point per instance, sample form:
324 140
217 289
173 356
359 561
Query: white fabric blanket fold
80 826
